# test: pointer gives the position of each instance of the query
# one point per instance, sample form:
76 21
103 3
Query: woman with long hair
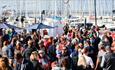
4 64
34 60
4 49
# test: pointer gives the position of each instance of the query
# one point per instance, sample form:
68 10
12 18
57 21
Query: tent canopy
7 26
39 26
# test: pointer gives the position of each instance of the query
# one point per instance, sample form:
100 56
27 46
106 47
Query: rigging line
49 9
84 8
68 8
95 2
110 10
99 12
106 5
112 7
55 8
81 7
102 4
60 7
20 7
39 7
89 7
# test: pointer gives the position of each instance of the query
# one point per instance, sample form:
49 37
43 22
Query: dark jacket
36 65
28 52
6 37
109 63
26 65
10 68
52 53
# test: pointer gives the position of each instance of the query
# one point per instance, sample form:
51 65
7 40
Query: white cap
41 51
46 36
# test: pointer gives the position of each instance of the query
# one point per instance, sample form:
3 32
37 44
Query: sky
104 7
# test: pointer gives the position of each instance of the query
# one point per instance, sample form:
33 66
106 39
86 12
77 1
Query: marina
58 12
57 34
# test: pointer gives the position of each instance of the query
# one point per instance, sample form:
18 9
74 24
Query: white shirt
89 61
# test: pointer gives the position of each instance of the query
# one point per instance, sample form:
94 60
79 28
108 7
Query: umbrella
39 26
6 26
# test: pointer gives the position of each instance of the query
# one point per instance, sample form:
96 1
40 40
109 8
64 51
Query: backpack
82 62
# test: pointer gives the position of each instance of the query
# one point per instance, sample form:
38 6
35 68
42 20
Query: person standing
22 63
4 64
34 60
29 50
109 59
66 28
4 49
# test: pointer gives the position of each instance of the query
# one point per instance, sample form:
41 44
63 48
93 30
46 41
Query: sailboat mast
20 7
55 8
81 10
112 8
26 11
89 7
39 7
35 13
95 12
23 7
81 7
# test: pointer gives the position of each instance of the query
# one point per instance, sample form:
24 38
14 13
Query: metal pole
95 12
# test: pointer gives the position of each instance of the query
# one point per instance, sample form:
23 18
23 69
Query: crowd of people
76 49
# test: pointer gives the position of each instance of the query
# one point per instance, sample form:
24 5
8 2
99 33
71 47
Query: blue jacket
10 51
